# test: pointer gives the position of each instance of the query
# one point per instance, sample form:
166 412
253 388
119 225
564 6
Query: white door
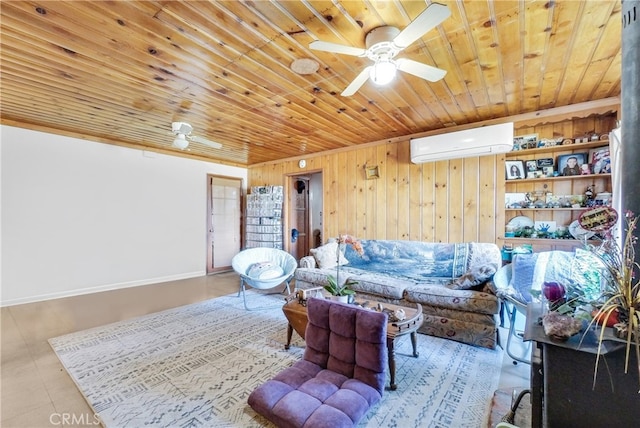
224 222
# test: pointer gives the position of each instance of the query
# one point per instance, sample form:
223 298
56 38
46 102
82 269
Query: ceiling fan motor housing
181 128
379 42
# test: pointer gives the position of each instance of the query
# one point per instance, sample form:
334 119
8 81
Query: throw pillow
326 256
264 271
472 278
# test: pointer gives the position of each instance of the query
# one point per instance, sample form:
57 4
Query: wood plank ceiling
121 71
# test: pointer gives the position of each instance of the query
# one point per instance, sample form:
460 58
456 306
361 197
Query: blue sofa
452 282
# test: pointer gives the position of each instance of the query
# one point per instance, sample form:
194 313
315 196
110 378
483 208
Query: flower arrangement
333 285
620 300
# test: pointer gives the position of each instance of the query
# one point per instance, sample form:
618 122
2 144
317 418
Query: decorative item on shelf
333 286
525 142
539 201
541 163
570 164
515 200
600 160
545 229
562 232
621 287
548 171
579 233
514 169
588 194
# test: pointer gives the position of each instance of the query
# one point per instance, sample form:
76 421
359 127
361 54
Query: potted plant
342 292
621 292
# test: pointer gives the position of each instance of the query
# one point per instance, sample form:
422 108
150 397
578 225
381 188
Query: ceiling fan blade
204 141
421 70
357 82
319 45
429 18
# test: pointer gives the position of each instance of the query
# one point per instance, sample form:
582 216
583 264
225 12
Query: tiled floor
35 389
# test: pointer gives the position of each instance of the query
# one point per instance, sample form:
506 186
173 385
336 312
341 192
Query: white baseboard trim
100 288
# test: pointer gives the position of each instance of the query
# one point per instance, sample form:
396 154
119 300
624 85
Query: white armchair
263 268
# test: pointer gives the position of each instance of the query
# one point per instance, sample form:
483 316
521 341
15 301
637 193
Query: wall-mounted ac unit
483 141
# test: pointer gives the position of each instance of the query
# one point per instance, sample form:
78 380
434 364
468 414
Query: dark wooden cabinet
563 391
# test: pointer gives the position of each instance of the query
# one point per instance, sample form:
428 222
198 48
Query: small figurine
589 194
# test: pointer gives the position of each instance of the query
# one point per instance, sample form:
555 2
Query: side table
296 314
562 389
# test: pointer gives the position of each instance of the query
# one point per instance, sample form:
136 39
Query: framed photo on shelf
571 164
531 165
600 160
514 169
544 162
547 171
524 142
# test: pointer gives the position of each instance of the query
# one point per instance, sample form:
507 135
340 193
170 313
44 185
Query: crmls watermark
70 419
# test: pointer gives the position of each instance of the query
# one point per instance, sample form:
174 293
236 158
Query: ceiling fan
384 43
182 131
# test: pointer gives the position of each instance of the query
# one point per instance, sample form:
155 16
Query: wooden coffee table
296 314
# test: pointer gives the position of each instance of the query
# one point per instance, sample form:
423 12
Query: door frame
288 184
209 230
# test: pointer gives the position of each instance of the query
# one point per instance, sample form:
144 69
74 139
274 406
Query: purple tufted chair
341 375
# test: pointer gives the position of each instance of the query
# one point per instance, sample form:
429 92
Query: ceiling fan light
180 142
383 72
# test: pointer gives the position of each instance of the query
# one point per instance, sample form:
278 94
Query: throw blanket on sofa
413 260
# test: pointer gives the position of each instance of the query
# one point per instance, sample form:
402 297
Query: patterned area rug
196 365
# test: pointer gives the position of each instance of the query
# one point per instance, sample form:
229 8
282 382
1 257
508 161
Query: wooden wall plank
459 200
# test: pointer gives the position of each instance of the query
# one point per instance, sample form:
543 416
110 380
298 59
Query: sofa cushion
327 256
443 297
377 284
319 276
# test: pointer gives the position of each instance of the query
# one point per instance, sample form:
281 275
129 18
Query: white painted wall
79 217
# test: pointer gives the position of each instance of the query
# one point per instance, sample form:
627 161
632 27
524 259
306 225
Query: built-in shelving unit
558 185
264 217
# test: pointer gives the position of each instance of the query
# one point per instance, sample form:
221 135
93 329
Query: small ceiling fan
384 43
182 131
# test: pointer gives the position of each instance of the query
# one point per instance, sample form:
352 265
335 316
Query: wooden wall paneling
381 192
489 197
392 192
428 212
372 195
363 194
404 206
486 206
563 129
415 202
441 191
330 187
471 198
353 176
455 192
